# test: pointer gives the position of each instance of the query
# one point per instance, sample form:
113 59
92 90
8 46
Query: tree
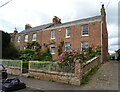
9 51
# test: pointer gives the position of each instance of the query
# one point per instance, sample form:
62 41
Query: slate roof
48 27
77 22
34 29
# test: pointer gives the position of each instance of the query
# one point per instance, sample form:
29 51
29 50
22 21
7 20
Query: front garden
70 66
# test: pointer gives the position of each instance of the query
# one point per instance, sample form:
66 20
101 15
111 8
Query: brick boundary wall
75 78
86 68
14 71
69 78
81 70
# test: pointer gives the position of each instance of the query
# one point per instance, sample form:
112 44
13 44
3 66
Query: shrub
34 52
69 57
26 54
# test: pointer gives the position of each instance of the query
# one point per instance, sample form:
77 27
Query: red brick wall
94 38
87 67
14 71
69 78
104 40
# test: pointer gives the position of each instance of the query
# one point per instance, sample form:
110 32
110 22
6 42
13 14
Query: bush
69 57
26 54
35 54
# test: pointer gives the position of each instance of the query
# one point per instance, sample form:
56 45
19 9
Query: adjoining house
76 35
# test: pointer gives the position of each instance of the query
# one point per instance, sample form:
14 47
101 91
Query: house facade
76 35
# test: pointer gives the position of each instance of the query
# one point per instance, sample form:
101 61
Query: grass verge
87 78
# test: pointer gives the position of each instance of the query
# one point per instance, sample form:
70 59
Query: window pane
52 49
52 34
85 30
84 45
67 46
18 38
26 38
34 37
68 32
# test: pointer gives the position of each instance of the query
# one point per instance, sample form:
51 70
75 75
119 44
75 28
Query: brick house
78 34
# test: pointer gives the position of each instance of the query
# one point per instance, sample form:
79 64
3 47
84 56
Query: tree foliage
9 51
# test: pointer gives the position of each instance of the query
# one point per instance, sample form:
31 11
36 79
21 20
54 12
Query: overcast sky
37 12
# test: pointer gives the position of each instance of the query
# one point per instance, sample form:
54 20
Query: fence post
78 71
21 66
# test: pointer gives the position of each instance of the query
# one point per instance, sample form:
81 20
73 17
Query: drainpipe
101 42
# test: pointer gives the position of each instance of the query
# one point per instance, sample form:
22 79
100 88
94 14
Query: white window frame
67 46
85 44
68 32
26 38
18 39
52 34
34 37
52 49
84 30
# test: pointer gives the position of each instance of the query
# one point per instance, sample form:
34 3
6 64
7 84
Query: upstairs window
18 40
34 37
67 46
84 45
26 38
52 49
52 34
68 32
85 30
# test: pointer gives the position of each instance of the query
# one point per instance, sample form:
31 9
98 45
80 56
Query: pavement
105 79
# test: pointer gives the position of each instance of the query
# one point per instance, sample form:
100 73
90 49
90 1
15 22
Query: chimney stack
15 31
27 26
103 10
56 20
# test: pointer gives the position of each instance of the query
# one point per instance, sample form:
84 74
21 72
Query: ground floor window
84 45
67 46
52 49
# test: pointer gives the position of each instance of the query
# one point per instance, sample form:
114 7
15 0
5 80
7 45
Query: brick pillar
78 72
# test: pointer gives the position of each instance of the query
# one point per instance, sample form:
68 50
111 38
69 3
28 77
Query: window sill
33 40
52 38
85 35
52 53
67 37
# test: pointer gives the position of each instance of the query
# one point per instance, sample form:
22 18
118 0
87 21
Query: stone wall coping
13 67
89 61
52 72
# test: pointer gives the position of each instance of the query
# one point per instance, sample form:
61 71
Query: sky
17 13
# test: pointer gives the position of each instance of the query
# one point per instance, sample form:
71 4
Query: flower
74 60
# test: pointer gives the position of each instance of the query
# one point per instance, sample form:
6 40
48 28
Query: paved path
105 79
